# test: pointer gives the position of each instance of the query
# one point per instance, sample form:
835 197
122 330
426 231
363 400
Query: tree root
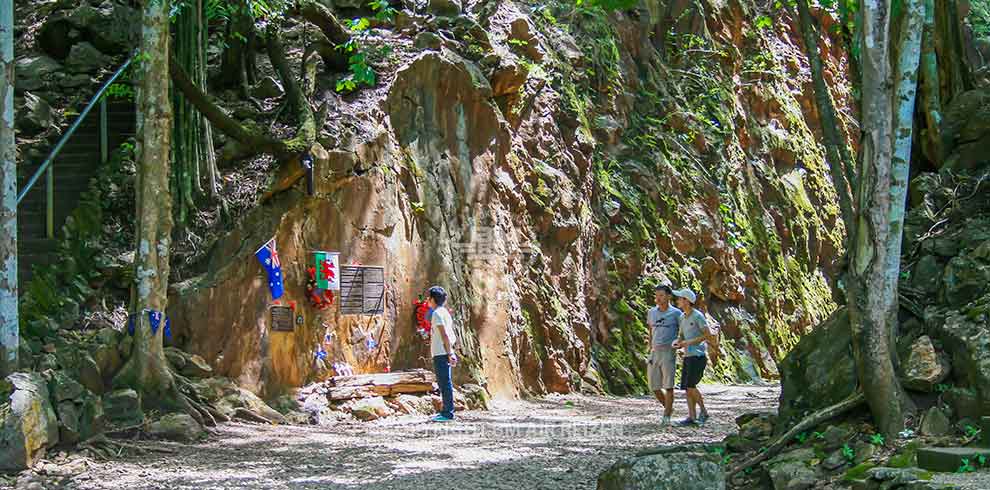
808 422
249 416
102 447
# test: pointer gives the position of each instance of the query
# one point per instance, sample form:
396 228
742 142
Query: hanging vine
194 160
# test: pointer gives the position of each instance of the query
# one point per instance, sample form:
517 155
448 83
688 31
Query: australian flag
269 260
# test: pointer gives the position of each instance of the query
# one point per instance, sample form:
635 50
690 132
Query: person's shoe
702 418
440 418
688 422
664 421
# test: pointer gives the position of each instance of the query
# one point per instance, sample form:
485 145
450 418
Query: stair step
948 459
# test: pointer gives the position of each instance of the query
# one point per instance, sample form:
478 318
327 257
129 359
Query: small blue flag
155 319
268 257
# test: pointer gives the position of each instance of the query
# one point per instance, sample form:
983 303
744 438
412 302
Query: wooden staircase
73 168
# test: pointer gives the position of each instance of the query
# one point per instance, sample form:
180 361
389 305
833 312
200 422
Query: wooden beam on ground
384 384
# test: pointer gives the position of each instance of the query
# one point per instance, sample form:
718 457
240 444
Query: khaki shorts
660 369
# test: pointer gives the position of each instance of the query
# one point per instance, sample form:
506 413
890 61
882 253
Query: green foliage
972 431
801 438
877 440
764 22
848 452
607 5
53 288
361 72
966 466
979 18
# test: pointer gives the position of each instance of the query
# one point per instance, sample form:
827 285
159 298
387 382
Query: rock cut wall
548 165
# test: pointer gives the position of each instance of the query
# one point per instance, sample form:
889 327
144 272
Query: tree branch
306 134
836 151
255 141
320 16
810 421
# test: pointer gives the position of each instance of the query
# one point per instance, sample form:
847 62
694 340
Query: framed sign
282 319
362 290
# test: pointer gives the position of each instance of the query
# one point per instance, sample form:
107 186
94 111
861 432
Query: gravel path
550 443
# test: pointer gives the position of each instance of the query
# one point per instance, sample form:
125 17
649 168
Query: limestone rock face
29 426
924 367
680 468
506 159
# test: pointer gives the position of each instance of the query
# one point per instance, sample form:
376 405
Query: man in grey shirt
693 328
664 320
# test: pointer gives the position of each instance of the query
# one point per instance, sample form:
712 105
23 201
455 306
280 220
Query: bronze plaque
282 319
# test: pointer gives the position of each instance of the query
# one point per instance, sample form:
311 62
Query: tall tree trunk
931 105
872 285
840 161
9 337
146 369
237 66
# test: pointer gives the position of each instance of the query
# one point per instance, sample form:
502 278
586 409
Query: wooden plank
411 376
383 384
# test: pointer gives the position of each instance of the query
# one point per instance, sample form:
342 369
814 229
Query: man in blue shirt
663 320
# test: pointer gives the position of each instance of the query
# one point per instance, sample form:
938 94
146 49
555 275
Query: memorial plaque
362 290
282 320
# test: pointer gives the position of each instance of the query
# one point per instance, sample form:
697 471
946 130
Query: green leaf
764 22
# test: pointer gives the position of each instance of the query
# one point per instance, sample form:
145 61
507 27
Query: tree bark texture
871 294
146 369
9 335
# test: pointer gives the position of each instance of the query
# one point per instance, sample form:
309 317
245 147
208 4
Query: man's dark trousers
441 364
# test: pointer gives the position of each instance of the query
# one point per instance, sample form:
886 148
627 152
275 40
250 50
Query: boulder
85 58
370 408
694 467
32 72
411 404
428 40
758 428
177 427
965 279
112 27
34 115
68 422
108 360
476 397
124 407
446 8
29 425
924 367
63 387
91 417
791 470
819 371
968 343
935 423
89 372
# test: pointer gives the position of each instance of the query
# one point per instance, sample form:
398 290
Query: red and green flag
327 270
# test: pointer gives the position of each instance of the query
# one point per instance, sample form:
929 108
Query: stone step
949 459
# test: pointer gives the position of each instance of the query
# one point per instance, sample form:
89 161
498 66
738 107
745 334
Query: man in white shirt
442 341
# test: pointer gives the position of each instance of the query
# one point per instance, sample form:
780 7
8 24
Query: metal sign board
282 319
362 290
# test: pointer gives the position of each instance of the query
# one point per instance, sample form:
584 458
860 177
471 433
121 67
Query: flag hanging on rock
268 257
327 267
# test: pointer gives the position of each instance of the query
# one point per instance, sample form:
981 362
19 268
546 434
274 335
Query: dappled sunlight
556 442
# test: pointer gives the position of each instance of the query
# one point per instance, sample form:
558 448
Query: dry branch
810 421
